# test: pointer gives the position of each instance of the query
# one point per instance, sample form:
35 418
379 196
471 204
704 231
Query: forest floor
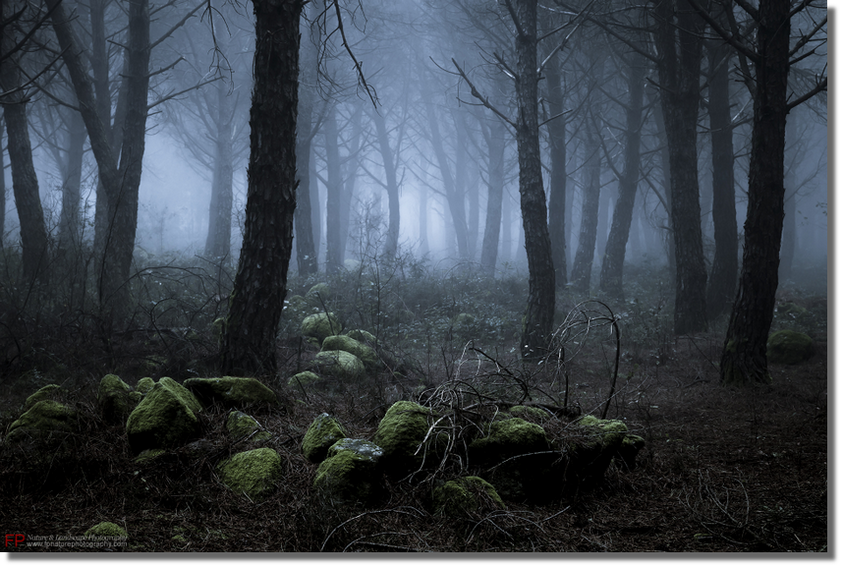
724 469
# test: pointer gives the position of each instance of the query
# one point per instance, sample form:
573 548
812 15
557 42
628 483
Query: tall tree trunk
256 302
305 247
744 356
2 189
393 231
724 271
70 223
352 166
557 130
679 41
453 193
580 275
33 231
611 276
540 308
333 256
218 243
495 141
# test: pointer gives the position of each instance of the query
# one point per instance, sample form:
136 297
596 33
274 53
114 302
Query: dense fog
407 53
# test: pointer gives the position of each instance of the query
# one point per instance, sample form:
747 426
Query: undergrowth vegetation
720 472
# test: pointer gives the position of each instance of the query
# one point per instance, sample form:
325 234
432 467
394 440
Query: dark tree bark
453 193
557 130
611 275
494 132
70 223
724 271
333 254
120 182
256 302
218 243
390 249
678 38
580 275
744 356
305 246
33 231
2 188
540 308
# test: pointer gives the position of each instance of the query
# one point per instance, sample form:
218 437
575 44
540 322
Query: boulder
165 418
516 456
241 425
231 392
466 496
530 413
252 473
144 385
365 353
400 433
304 379
49 392
350 473
341 364
318 293
789 347
296 308
321 435
320 325
600 441
115 398
42 421
362 336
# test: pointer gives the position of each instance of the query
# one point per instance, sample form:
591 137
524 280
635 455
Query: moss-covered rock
627 453
350 473
530 413
466 496
49 392
590 453
516 455
107 529
362 336
253 473
365 353
165 418
318 293
296 308
400 433
240 425
341 364
115 398
322 433
148 455
231 391
304 379
789 347
507 438
611 431
320 326
144 385
42 420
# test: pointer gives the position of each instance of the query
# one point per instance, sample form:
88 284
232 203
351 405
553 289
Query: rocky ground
723 470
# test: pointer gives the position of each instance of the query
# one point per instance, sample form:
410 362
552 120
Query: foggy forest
414 275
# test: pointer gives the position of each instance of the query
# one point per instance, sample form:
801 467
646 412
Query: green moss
320 326
144 385
240 425
42 419
253 473
318 293
507 438
106 529
789 347
148 455
322 433
345 343
304 379
613 430
466 496
115 398
530 413
48 392
400 433
231 391
362 336
349 476
341 364
362 447
165 418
